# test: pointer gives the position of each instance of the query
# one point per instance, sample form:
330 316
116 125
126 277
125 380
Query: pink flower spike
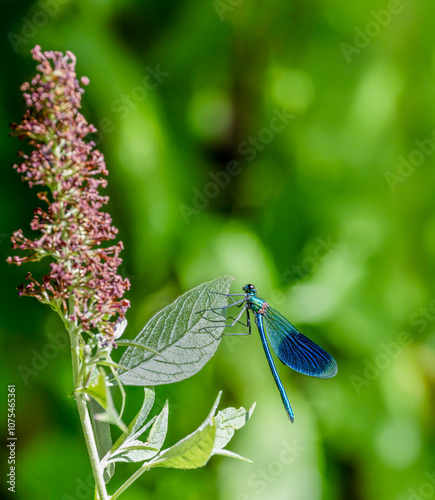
72 228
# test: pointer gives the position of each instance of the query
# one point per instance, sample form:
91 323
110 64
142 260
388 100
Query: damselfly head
249 289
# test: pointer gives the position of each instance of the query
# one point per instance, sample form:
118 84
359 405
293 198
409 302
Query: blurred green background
290 145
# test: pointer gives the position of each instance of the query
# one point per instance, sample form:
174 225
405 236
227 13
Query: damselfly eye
249 288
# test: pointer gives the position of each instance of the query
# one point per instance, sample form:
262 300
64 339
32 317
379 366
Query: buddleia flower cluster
83 283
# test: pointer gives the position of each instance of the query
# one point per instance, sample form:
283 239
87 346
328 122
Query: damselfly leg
222 319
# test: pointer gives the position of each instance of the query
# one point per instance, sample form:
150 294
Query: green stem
85 417
131 480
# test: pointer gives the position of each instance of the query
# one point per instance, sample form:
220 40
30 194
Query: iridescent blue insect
292 348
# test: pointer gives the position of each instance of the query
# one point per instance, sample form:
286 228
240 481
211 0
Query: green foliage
191 452
103 437
129 448
184 335
333 220
100 392
179 340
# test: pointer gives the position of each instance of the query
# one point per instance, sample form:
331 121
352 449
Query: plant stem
131 480
85 417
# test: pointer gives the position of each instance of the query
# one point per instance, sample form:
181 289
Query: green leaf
158 431
136 427
103 438
182 333
138 421
194 450
191 452
134 450
227 422
97 389
100 392
231 454
209 439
